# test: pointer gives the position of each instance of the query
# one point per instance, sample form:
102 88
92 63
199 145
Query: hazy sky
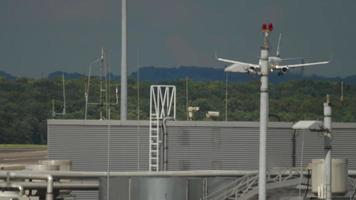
41 36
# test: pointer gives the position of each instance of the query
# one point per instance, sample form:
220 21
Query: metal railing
246 186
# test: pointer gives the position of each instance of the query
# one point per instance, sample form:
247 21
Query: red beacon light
267 27
270 27
264 27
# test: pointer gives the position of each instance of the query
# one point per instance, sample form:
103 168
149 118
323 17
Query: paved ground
22 155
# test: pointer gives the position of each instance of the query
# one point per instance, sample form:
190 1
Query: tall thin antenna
64 95
123 107
278 45
105 87
226 93
342 91
138 110
102 73
54 114
87 90
138 84
186 97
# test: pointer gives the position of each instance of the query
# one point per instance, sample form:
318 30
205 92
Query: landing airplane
275 64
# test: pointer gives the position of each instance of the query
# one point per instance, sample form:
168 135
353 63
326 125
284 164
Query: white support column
263 119
327 149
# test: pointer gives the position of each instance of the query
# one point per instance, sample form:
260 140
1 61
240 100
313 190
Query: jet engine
285 69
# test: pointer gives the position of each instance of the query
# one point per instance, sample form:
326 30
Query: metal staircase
246 187
162 105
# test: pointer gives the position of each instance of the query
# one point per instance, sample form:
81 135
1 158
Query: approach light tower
263 62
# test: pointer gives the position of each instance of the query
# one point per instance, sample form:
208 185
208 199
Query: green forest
26 103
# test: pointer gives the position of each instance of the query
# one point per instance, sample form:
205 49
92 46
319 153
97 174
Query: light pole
263 62
123 105
266 64
327 149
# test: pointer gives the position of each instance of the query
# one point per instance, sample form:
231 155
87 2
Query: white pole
64 95
327 149
186 97
342 92
123 107
226 90
263 119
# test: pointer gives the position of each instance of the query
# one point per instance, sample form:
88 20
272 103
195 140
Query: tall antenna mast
226 93
64 95
102 73
342 91
186 97
138 110
105 87
54 114
123 108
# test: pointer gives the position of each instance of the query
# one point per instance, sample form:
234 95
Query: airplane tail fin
278 45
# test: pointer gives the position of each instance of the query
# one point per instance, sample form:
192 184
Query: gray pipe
95 174
49 194
165 142
78 185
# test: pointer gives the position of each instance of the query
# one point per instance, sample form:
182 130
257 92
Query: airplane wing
238 66
301 65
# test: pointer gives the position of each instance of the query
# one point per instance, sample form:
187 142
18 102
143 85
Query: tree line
26 103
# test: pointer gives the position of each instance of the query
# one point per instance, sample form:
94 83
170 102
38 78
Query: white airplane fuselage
274 60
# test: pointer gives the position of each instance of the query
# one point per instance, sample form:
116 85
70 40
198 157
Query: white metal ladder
162 104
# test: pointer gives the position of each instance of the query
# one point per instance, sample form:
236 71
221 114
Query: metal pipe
165 142
294 148
263 119
328 150
49 194
49 178
21 189
94 174
123 107
76 185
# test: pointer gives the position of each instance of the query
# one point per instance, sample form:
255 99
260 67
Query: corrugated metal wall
343 144
192 145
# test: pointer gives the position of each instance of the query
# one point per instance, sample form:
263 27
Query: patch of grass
27 146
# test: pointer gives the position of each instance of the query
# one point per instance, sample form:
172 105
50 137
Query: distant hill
67 75
7 76
156 74
350 80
